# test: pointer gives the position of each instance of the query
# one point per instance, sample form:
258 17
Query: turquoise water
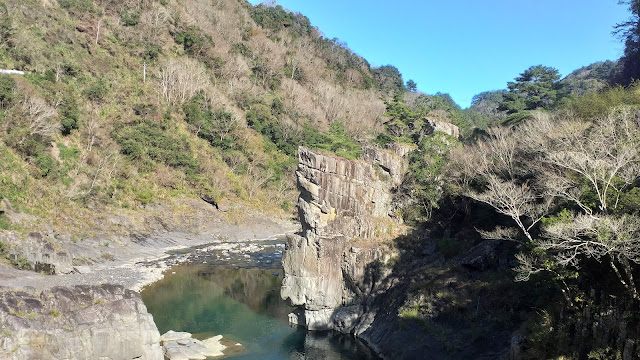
244 306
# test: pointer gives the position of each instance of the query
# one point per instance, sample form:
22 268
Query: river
236 293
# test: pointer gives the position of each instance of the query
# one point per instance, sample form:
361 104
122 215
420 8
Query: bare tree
499 165
43 118
606 153
181 78
615 240
554 158
256 179
154 22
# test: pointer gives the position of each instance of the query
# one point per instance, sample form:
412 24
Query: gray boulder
77 323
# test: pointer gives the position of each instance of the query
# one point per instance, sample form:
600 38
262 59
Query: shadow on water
244 306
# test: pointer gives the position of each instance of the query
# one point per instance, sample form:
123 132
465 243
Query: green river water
243 305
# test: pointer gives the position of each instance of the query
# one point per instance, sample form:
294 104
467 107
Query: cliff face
345 208
82 322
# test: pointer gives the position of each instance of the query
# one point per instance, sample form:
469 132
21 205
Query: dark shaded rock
515 351
481 256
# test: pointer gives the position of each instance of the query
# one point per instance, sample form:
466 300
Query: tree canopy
536 87
630 32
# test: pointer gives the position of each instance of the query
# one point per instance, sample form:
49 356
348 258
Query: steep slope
126 101
139 103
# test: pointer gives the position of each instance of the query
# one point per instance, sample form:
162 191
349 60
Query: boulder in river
181 346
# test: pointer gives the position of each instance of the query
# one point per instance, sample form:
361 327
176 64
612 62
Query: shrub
152 51
97 91
423 182
335 140
69 114
7 84
242 49
277 18
130 17
286 206
596 104
80 5
193 40
68 124
262 120
148 141
21 263
217 127
46 164
68 153
6 25
144 196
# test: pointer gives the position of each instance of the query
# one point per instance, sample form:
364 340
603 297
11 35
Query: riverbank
139 257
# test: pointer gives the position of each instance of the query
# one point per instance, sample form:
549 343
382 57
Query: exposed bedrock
346 209
39 251
83 322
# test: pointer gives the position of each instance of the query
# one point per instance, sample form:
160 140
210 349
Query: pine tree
536 87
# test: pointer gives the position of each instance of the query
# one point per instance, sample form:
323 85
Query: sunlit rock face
77 323
345 208
445 127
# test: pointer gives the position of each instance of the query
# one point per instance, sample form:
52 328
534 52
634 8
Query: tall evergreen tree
630 32
412 86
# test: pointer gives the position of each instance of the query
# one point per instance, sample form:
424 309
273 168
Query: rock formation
41 252
445 127
181 346
83 322
345 208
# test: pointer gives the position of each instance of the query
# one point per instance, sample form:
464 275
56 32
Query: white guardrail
17 72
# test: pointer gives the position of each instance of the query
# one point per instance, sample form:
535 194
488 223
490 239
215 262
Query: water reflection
244 306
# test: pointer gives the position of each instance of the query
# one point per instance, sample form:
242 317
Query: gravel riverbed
140 263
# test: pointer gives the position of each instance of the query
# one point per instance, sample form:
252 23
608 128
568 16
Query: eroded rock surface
345 207
83 322
41 252
181 346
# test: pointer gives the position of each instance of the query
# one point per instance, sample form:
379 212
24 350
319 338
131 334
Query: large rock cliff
345 207
84 322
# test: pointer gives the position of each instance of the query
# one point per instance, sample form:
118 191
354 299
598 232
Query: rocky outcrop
38 251
83 322
445 127
346 209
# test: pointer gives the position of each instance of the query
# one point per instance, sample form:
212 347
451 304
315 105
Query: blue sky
464 47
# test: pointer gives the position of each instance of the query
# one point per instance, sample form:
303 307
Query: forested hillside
128 102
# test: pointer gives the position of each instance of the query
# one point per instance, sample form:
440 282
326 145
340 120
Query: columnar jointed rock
338 195
76 323
341 200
